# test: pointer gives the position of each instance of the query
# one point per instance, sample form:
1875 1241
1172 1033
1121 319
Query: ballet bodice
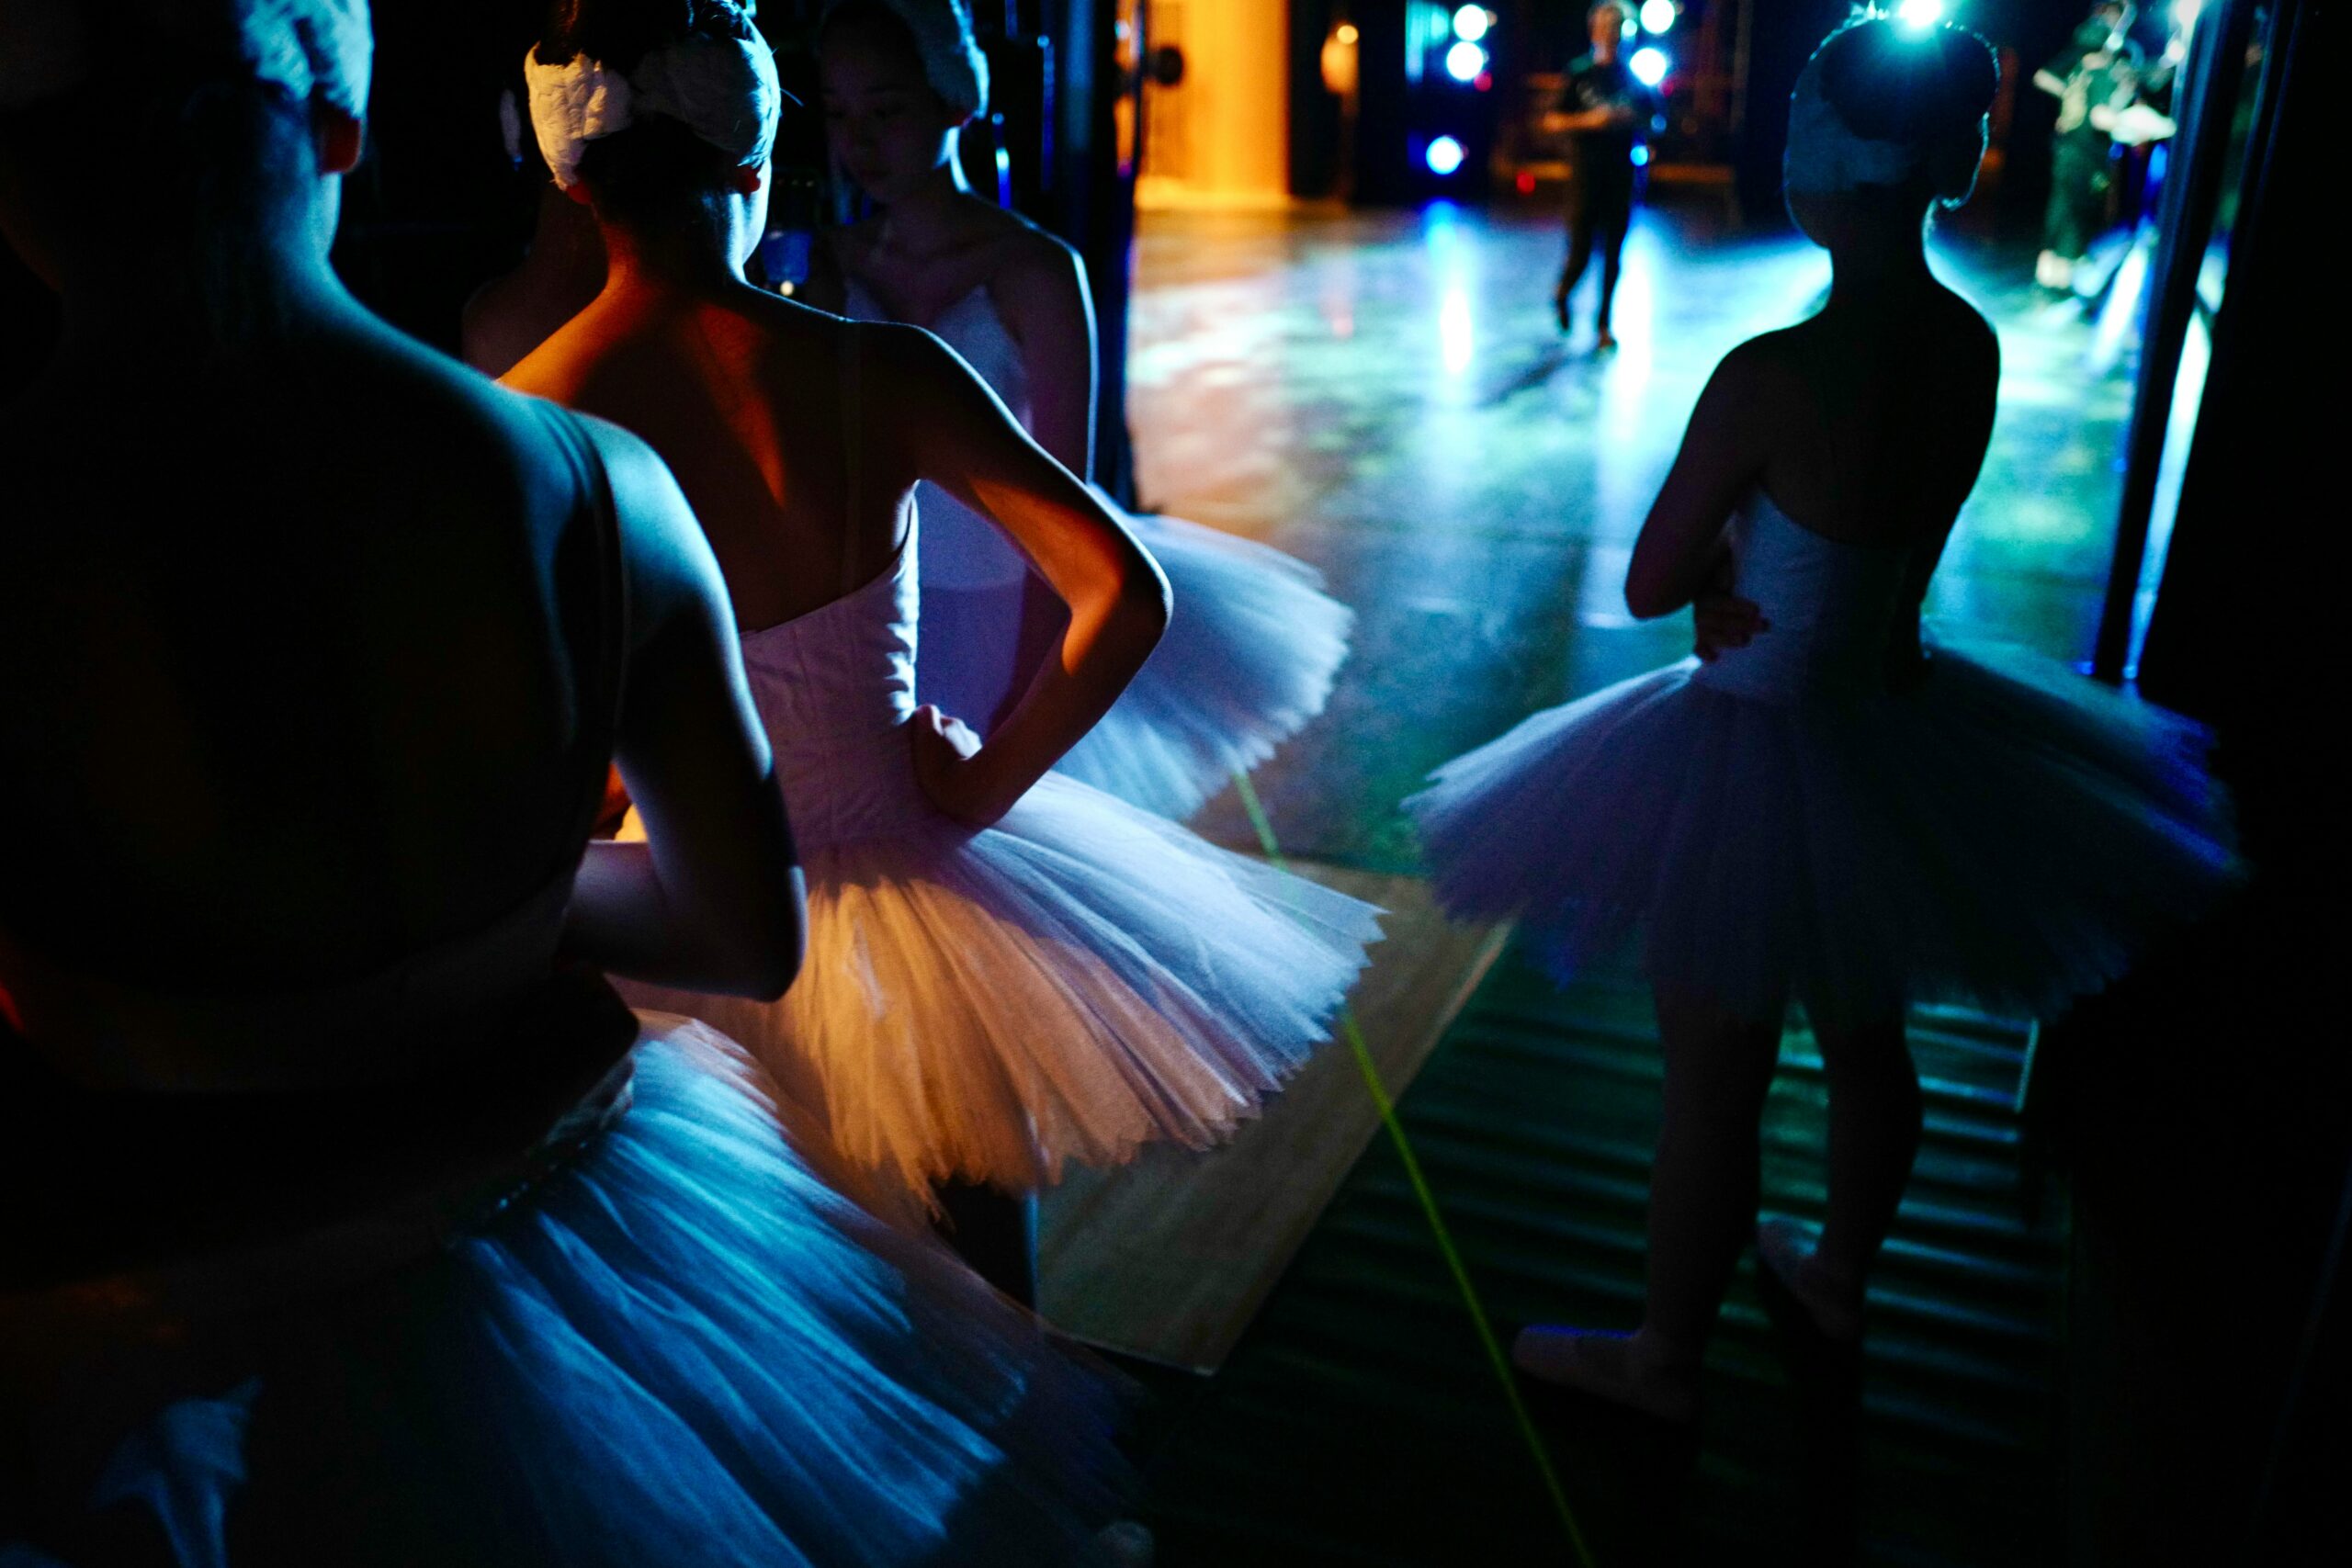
1833 608
835 688
963 548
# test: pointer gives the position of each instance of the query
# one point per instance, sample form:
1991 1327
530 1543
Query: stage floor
1386 396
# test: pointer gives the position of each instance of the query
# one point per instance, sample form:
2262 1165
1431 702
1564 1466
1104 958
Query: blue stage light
1444 156
1649 65
1465 61
1657 16
1919 13
1470 23
1641 155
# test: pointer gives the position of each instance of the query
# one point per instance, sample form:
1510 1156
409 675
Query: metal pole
2217 52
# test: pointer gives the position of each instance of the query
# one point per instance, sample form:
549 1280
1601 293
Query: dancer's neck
693 258
566 238
1875 263
933 217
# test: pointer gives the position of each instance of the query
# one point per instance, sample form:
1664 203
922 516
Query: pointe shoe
1624 1368
1560 308
1606 342
1825 1335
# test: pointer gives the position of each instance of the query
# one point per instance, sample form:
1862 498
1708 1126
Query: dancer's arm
1680 548
1047 304
1976 397
712 900
953 432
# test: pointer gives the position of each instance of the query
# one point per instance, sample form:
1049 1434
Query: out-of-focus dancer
357 1220
561 272
1251 651
2096 80
1823 805
1008 970
1608 113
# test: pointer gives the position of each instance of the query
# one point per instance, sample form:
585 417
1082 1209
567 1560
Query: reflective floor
1386 396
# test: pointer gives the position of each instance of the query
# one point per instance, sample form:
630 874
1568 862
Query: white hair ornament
1827 158
952 60
310 48
723 89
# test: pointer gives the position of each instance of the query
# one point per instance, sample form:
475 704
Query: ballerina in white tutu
353 1219
1821 805
1254 645
1007 970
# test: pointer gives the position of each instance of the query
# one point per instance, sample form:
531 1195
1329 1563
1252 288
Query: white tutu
1248 659
684 1346
2007 832
1065 986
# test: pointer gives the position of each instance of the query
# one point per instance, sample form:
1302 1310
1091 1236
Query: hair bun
1892 81
620 33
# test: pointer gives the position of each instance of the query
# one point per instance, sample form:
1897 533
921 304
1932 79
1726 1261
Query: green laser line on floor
1426 1196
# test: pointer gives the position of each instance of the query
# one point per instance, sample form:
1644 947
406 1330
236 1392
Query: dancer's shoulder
1035 266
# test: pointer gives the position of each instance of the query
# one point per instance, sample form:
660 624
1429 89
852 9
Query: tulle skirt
1067 984
2005 833
1249 656
684 1346
1248 659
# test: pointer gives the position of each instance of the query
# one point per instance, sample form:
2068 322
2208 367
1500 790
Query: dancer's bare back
1866 423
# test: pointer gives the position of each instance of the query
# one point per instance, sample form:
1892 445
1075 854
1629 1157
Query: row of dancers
375 1228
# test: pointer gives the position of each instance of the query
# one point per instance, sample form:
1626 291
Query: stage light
1657 16
1348 32
1465 61
1641 157
1470 23
1649 65
1444 156
1919 13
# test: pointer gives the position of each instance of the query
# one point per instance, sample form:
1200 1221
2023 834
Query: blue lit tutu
2001 830
685 1347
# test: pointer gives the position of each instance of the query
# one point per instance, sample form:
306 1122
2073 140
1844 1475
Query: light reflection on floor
1386 396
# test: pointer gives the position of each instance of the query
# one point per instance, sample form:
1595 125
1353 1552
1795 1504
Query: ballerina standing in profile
353 1218
1008 970
1255 643
1821 806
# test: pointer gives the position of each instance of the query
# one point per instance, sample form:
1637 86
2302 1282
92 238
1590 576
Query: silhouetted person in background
2095 79
1607 113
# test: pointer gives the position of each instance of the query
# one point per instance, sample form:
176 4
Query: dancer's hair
936 34
657 162
1889 104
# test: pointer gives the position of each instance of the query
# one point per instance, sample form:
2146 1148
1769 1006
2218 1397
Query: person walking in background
1607 113
2094 81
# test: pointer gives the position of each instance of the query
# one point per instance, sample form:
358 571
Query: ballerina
1008 970
355 1220
1252 653
1821 805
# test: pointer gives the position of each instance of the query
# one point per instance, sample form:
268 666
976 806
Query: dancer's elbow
1646 599
1140 603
